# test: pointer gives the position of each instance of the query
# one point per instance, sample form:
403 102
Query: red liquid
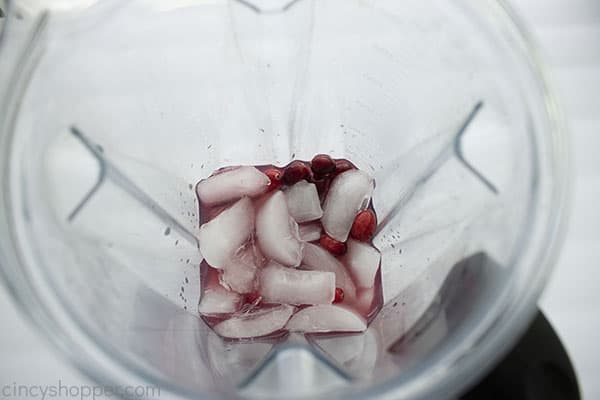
367 303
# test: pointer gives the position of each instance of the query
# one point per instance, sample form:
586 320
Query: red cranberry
342 165
275 176
331 245
364 225
322 187
339 295
295 172
322 164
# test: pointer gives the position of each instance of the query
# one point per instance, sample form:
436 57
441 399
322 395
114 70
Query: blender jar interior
114 110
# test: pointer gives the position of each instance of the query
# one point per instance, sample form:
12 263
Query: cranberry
331 245
275 176
364 225
295 172
322 164
322 187
339 295
342 165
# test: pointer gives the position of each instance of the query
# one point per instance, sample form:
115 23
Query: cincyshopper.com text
82 392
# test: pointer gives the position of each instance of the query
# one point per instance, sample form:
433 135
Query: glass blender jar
111 111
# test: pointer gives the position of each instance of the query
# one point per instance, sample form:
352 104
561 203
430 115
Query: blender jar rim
509 322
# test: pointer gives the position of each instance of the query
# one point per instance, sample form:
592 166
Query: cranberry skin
295 172
322 165
342 165
275 176
364 225
322 187
339 295
331 245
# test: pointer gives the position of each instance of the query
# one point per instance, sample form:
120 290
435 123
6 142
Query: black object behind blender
537 368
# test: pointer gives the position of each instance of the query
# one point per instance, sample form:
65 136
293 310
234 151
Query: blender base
537 368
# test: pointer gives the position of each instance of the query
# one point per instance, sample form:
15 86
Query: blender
112 111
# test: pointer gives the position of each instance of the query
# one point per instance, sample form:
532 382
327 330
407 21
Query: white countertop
569 34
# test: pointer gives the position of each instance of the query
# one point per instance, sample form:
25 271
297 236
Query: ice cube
326 318
260 323
310 232
303 202
279 284
218 300
277 232
232 184
364 300
259 258
239 274
222 236
316 258
350 192
362 260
